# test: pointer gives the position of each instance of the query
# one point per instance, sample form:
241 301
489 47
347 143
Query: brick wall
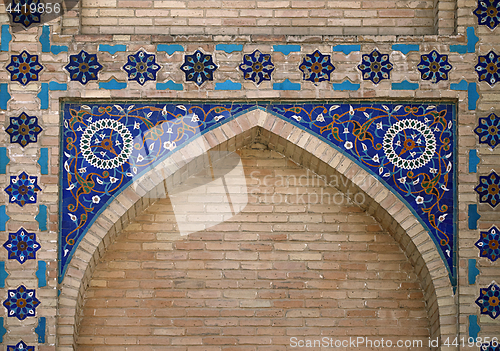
282 268
253 17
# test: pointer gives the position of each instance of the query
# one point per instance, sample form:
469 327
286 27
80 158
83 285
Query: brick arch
301 147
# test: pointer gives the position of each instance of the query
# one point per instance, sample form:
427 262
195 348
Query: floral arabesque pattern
83 67
488 244
489 189
489 300
488 13
24 68
434 67
317 67
22 246
257 67
367 133
21 12
141 67
198 67
23 129
488 130
23 189
375 67
21 303
488 68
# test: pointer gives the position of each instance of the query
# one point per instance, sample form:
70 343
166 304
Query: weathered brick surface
316 269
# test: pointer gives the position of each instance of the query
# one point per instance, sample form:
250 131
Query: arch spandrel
260 122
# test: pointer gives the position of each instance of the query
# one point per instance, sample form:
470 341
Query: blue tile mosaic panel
83 67
23 129
198 67
376 67
488 13
257 67
488 68
20 346
316 67
408 147
22 246
489 300
488 130
489 189
24 68
489 244
434 67
21 303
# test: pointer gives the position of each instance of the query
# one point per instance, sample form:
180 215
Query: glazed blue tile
4 95
3 331
474 216
21 303
286 49
45 39
199 67
20 346
24 68
473 271
473 160
228 85
347 49
346 86
23 189
474 328
458 48
405 85
24 18
3 276
41 218
489 189
3 218
21 246
141 67
370 134
434 67
40 330
375 67
463 85
83 67
24 129
488 13
316 67
488 244
113 84
57 49
286 85
488 68
488 300
406 48
169 48
41 274
473 96
56 86
171 85
6 38
4 160
488 130
472 40
43 160
43 95
112 49
228 48
257 67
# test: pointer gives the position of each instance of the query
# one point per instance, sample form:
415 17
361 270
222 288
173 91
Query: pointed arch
303 148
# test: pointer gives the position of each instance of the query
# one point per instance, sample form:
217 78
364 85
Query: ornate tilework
141 67
21 12
23 189
409 147
24 68
489 189
23 129
489 300
316 67
488 244
83 67
488 68
488 130
375 67
257 67
22 246
21 346
198 67
488 13
434 67
491 346
21 303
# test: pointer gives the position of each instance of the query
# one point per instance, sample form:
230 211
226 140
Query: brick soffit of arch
387 208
